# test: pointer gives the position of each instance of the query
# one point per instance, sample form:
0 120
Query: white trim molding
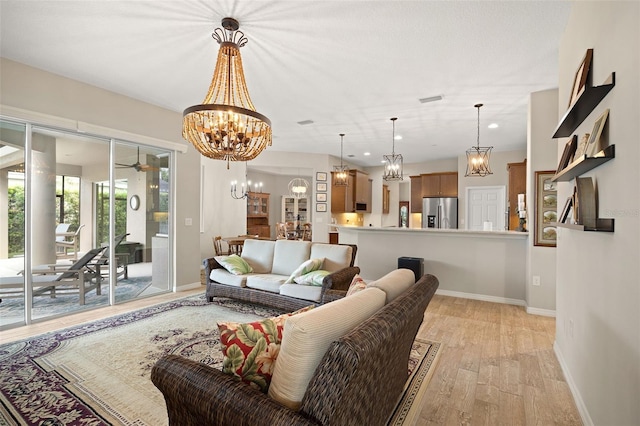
483 297
582 408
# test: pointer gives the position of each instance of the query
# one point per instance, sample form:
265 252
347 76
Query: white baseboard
540 311
191 286
582 408
482 297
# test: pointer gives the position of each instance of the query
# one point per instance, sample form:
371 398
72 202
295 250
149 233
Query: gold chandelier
226 126
478 156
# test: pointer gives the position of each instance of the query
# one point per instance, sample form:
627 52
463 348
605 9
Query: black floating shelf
602 225
583 164
583 106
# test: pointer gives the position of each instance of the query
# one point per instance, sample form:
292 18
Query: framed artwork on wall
321 197
321 176
321 207
321 187
546 207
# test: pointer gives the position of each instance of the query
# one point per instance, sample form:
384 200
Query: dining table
236 243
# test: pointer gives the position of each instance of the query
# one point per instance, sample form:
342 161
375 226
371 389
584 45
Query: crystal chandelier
393 162
341 172
245 188
226 125
478 156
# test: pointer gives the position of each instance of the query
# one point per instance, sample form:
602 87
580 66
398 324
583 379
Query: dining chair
306 232
281 231
217 246
290 231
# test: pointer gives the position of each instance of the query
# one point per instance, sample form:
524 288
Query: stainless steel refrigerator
440 213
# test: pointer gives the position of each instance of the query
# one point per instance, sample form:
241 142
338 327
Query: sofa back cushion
335 256
288 255
259 255
307 336
394 283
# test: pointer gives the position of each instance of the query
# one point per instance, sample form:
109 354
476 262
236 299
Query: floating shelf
602 225
582 107
583 164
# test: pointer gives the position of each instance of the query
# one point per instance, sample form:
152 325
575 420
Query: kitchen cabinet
517 185
385 199
355 197
416 194
440 184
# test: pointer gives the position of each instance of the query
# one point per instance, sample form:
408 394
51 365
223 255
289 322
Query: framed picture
321 207
567 154
321 176
321 187
594 143
581 148
580 80
321 197
546 209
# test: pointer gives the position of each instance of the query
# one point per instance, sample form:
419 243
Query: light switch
188 221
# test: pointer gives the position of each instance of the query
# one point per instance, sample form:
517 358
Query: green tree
16 221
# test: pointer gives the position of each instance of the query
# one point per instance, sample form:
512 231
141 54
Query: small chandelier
245 188
226 125
298 188
393 162
478 156
341 172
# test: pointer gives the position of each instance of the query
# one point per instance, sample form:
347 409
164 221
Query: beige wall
598 290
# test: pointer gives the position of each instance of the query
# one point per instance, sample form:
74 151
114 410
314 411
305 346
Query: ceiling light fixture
245 188
341 172
393 166
298 187
477 156
226 125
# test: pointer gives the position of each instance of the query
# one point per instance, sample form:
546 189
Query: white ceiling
349 66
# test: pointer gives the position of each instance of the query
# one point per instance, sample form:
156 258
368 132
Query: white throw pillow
307 336
306 267
234 264
312 278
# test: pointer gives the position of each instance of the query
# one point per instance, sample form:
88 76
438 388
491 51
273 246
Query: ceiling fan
137 165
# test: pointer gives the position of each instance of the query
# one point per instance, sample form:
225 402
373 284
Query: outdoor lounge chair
69 241
80 277
102 263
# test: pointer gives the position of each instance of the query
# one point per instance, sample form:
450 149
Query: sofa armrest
197 394
209 264
338 281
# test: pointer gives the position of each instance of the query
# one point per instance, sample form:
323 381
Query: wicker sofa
358 380
273 262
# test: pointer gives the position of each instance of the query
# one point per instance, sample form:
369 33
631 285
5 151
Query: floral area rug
99 373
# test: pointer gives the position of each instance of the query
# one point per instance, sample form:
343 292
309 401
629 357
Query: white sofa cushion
306 339
394 283
335 256
266 282
222 276
306 292
258 254
288 255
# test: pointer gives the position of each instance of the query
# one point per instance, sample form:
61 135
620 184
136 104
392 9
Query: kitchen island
484 265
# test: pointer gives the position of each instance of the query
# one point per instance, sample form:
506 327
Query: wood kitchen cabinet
386 193
355 197
440 184
517 185
416 194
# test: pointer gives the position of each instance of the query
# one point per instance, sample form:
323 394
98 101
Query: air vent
431 99
305 122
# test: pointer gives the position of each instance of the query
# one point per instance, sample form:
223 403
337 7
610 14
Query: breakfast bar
485 265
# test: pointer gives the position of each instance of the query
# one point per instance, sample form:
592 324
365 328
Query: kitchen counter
485 265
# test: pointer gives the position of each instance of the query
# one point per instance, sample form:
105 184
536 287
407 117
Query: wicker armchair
358 381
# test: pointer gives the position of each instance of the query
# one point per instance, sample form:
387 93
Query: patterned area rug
98 373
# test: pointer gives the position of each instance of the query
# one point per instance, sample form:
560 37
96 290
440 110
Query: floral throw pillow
234 264
306 267
250 350
312 278
357 284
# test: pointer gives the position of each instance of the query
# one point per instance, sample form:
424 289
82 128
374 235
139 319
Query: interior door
485 204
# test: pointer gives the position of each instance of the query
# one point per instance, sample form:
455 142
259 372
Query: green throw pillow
234 264
312 278
306 267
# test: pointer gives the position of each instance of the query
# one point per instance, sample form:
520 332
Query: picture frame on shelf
581 77
321 176
546 207
321 197
595 142
567 154
321 207
564 215
321 187
581 148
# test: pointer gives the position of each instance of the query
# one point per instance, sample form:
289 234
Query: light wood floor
496 366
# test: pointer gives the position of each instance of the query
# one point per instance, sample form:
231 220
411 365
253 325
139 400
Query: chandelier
341 172
245 188
478 156
393 162
226 125
298 187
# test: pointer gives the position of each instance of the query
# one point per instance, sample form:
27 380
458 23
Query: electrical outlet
536 280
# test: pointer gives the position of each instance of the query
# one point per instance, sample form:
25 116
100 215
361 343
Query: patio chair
79 277
64 245
122 260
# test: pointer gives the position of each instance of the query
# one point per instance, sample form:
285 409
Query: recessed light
382 161
493 126
398 137
366 154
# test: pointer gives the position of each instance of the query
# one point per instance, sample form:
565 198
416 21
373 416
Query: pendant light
393 162
245 188
298 187
477 156
341 172
226 126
